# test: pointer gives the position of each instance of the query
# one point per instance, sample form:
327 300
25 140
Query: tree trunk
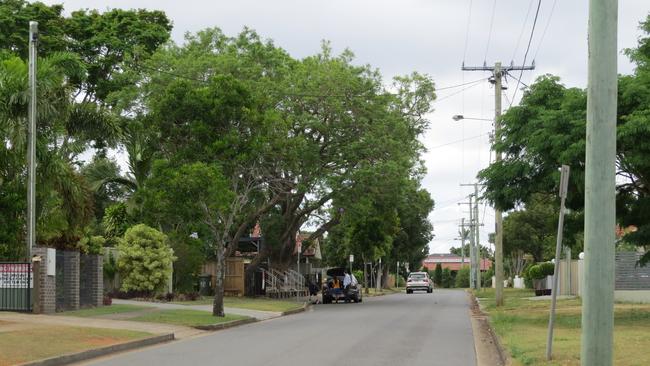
366 285
217 305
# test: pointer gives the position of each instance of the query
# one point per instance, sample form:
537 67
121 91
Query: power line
523 28
469 18
487 46
457 141
302 94
530 40
460 91
514 77
459 85
550 16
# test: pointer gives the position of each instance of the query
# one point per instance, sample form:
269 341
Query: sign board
51 261
351 258
15 275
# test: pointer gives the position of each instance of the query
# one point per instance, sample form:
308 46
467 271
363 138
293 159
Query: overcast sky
432 37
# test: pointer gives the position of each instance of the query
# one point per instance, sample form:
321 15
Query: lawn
186 317
105 310
522 326
262 304
30 343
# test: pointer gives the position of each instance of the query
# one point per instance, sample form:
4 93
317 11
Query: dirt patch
489 351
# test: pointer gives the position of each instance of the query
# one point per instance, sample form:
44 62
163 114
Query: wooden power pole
497 73
600 186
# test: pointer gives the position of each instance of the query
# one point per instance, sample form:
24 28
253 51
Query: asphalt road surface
404 330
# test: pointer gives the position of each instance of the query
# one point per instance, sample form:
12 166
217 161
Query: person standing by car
347 281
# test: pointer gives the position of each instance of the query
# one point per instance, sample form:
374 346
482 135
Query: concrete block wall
91 284
71 280
47 285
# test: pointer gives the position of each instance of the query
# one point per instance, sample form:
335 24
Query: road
405 330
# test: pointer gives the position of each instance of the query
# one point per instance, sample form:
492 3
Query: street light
459 117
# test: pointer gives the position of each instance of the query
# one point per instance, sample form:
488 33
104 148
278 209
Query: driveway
405 330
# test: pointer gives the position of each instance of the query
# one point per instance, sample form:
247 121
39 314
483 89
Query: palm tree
64 199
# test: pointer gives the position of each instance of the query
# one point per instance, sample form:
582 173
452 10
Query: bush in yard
535 272
437 275
145 259
547 268
189 257
462 278
445 278
487 277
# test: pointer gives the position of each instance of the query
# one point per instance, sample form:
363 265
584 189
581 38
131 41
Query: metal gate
16 282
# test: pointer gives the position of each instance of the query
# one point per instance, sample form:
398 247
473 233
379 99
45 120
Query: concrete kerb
98 352
304 308
488 348
226 325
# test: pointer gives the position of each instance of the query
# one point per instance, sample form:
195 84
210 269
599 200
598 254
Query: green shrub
535 272
145 259
462 278
189 257
437 275
487 277
528 281
358 274
446 279
547 268
92 244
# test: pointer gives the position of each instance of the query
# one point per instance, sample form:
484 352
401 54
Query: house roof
452 261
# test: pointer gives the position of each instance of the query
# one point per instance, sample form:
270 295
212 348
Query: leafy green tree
116 221
65 200
485 252
437 275
547 130
145 260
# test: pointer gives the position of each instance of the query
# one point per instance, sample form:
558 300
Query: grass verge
262 304
25 344
521 325
105 310
188 317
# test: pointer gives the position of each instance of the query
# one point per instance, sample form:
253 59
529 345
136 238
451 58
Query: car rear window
417 276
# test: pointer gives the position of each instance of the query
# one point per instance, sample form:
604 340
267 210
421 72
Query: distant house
452 261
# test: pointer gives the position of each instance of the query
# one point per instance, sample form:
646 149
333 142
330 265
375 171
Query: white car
419 281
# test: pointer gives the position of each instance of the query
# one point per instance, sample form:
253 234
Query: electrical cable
550 16
523 28
302 94
459 85
457 141
514 77
460 91
469 18
530 40
487 46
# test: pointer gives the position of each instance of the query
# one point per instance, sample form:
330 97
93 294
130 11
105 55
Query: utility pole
462 242
477 251
600 186
31 144
497 74
472 238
